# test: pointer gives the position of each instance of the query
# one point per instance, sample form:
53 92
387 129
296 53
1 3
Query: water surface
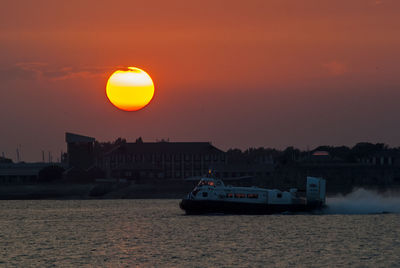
124 233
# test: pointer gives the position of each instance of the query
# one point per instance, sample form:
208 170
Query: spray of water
362 201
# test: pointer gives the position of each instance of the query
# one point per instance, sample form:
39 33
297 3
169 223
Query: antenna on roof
43 156
21 154
2 153
17 155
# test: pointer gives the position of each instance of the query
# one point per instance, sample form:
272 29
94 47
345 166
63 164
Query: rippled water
122 233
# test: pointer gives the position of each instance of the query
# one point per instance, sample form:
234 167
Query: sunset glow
241 74
130 89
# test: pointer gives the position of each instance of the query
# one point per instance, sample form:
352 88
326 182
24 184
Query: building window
177 166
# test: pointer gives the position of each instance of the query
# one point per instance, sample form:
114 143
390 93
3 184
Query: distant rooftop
71 138
5 160
320 153
167 147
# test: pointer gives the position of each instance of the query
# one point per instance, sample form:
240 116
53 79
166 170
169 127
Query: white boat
211 195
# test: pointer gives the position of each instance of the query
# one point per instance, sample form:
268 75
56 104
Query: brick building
171 160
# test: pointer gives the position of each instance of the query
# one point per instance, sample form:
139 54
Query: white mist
362 201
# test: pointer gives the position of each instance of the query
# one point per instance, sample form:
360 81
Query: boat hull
210 206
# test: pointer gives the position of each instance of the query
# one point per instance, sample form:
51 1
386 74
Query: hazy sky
237 73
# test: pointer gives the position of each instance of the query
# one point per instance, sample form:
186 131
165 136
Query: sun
130 89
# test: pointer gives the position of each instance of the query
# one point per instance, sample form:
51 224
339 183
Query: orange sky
237 73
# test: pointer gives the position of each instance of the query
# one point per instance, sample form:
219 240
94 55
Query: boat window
279 195
229 195
205 194
240 195
194 192
203 182
252 195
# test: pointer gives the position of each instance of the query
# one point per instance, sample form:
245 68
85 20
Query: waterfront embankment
94 191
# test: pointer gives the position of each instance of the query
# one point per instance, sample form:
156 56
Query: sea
359 230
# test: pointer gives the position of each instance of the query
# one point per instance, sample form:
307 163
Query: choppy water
126 233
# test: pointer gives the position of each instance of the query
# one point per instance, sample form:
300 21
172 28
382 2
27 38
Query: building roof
166 147
72 138
320 153
5 160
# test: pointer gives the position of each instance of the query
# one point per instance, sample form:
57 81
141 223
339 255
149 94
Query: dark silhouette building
80 150
157 160
22 173
4 160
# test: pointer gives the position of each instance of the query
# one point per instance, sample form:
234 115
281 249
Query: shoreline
101 191
92 191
